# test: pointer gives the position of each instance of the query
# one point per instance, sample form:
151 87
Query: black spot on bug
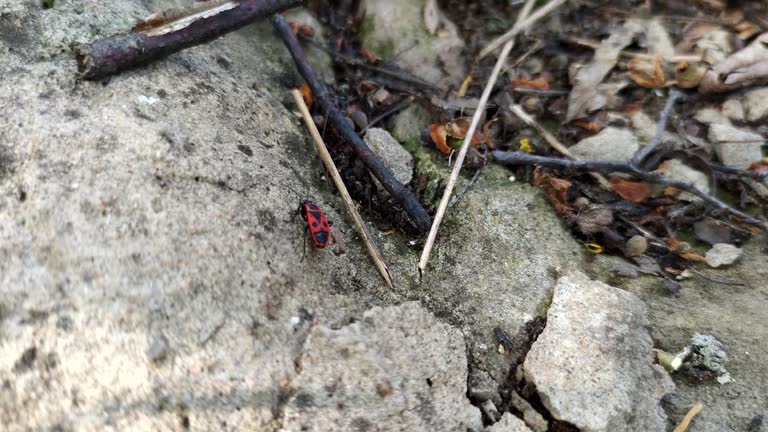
316 214
321 237
314 224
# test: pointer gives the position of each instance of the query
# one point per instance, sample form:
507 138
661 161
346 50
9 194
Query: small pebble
636 246
722 254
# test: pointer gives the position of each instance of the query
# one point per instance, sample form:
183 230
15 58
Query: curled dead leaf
555 189
458 129
487 133
635 191
439 137
648 73
588 125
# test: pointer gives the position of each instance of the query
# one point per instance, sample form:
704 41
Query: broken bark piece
171 31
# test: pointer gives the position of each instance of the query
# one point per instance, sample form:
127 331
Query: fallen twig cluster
323 98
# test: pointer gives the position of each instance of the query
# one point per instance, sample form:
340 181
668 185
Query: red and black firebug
317 223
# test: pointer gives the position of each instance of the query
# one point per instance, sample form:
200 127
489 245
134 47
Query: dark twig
717 281
640 157
322 98
607 167
171 31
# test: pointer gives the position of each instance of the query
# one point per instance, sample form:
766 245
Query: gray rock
531 417
483 387
397 28
491 412
733 109
711 116
610 144
681 171
722 254
396 369
735 147
593 364
645 127
508 423
756 104
394 156
735 315
527 257
409 123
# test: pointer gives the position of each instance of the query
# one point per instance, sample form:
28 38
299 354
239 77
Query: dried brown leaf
439 137
635 191
555 189
648 73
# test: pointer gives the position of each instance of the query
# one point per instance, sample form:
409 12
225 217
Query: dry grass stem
373 250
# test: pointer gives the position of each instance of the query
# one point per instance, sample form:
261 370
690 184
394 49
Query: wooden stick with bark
171 31
322 97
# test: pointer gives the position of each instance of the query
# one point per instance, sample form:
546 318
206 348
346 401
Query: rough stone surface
499 269
483 387
508 423
722 254
409 123
397 28
731 152
681 171
734 109
735 315
593 364
162 202
391 153
711 116
396 369
756 104
645 128
531 417
610 144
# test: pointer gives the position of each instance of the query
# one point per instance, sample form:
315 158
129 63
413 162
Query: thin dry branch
370 244
607 167
518 27
642 155
171 31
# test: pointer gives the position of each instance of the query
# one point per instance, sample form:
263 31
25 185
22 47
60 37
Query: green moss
543 308
384 49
